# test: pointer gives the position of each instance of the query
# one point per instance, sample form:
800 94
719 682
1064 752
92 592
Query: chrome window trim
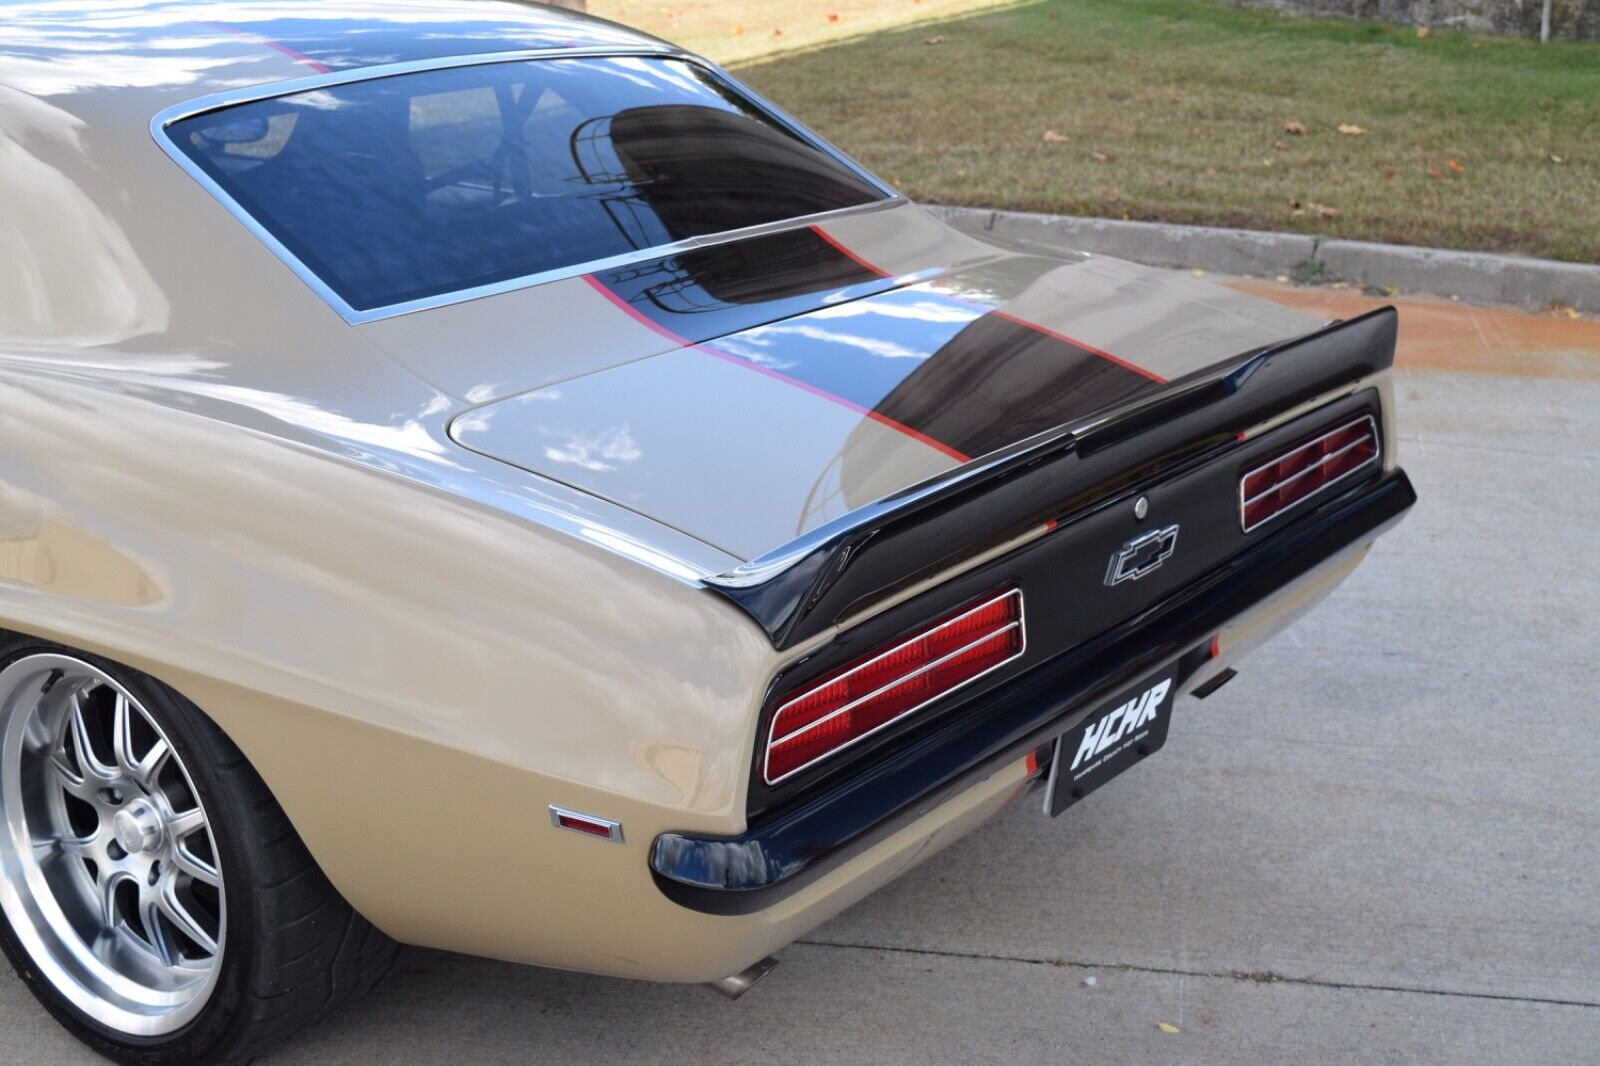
1377 454
271 90
772 726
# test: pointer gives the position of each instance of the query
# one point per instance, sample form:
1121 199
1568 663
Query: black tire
295 949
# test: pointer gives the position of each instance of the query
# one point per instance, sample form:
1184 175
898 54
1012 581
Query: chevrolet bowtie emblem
1141 555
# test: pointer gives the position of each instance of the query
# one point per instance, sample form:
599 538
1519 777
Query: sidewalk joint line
1261 977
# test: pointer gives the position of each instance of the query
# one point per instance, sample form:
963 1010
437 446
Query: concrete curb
1477 276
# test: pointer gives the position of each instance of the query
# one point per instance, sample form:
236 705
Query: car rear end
996 509
1034 616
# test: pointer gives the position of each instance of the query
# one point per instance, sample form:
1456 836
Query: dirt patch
1441 335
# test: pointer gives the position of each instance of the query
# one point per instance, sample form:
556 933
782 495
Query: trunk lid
754 392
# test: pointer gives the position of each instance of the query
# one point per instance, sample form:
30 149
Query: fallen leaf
1434 172
1198 273
937 38
1266 162
1296 128
1282 279
1455 166
1324 211
777 31
1052 137
1280 146
1557 159
833 16
1099 157
1351 128
738 29
1422 31
1168 1028
1388 172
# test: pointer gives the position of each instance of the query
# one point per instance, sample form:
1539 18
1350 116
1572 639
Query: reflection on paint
49 289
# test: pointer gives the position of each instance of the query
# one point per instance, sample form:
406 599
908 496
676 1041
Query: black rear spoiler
839 569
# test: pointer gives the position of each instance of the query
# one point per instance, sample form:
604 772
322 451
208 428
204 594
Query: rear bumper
1256 593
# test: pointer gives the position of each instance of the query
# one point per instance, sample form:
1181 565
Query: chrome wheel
108 867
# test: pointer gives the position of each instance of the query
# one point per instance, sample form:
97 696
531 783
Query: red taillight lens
1274 487
892 682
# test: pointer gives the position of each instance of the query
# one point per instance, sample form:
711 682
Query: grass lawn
1177 110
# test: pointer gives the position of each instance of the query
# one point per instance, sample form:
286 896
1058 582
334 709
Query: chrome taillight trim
1020 624
1377 453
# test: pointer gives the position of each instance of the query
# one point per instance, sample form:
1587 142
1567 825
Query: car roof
136 58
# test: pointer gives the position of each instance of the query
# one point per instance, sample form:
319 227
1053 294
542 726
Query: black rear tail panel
1187 469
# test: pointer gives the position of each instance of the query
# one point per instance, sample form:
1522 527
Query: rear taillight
1274 487
888 684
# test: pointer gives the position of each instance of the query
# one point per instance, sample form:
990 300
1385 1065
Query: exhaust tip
740 983
1206 689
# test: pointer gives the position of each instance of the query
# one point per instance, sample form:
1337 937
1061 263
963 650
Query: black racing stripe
998 381
712 292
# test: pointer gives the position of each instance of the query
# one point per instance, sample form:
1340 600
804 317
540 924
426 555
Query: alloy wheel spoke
145 770
70 780
83 748
122 734
109 883
150 915
197 868
183 823
180 917
85 847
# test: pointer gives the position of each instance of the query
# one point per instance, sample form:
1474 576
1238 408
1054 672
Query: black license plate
1108 742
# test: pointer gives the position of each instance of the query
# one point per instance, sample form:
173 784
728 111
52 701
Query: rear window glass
406 187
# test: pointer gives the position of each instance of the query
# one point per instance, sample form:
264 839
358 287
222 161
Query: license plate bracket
1126 730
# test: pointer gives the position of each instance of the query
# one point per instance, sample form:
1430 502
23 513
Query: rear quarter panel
416 677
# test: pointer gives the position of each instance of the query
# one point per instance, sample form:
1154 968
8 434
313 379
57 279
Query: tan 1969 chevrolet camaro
472 475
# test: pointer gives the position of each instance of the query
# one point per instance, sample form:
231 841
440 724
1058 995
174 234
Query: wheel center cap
137 827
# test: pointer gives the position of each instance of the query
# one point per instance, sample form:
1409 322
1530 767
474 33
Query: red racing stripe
1091 349
849 254
638 316
282 49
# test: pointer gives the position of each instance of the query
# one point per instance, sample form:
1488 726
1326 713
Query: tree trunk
1544 21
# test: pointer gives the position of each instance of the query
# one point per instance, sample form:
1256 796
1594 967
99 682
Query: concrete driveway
1381 843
